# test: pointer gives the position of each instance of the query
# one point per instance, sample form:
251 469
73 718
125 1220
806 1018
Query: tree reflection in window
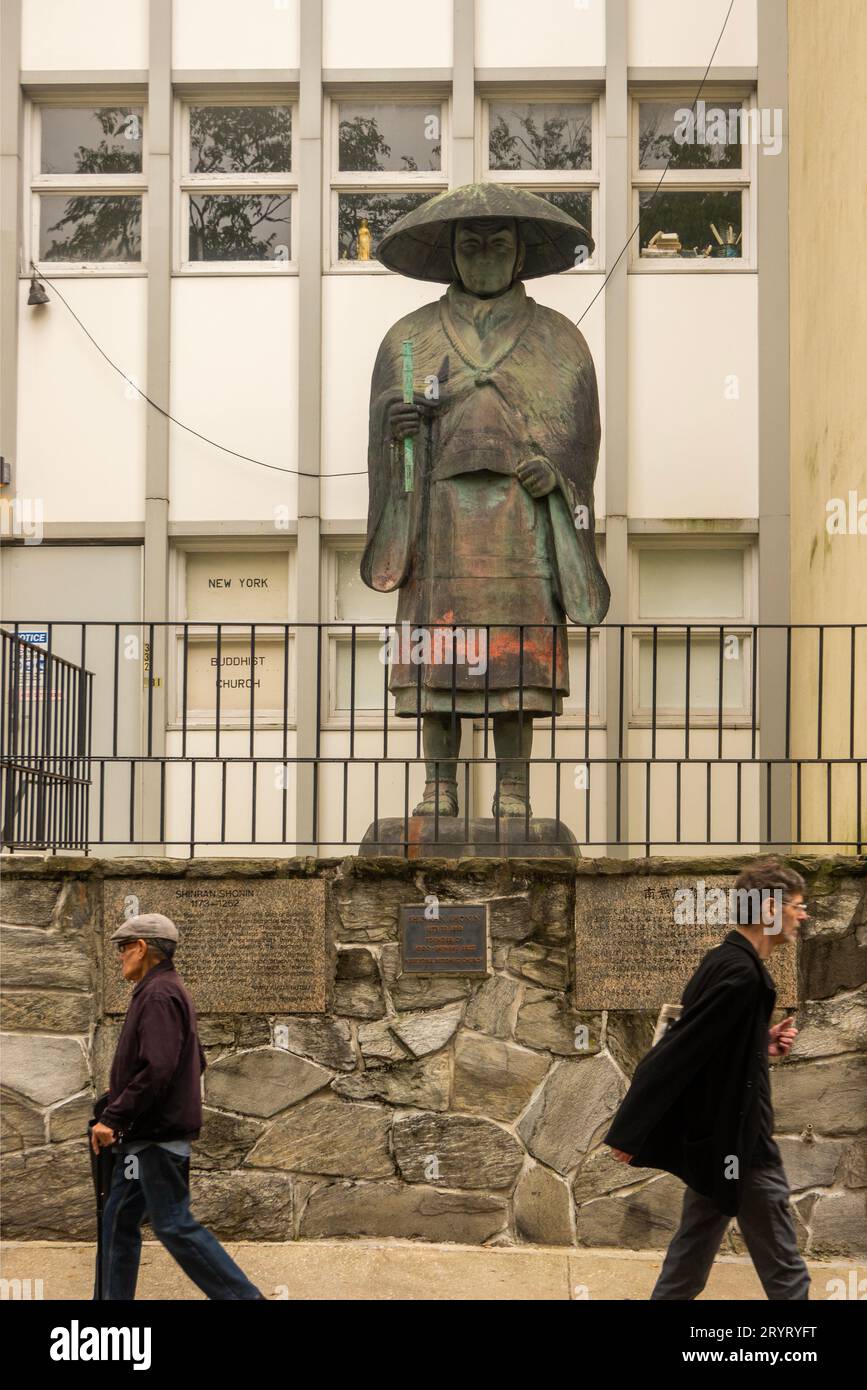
540 135
669 137
240 139
118 148
100 228
240 226
367 136
91 227
379 210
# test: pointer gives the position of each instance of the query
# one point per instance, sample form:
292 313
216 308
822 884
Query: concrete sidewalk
370 1270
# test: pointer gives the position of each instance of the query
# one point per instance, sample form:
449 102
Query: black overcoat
693 1102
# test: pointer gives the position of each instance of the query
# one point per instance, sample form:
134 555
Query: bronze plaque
247 945
638 939
436 939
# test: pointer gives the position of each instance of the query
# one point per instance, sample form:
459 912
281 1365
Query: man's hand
101 1136
621 1156
782 1036
404 417
537 475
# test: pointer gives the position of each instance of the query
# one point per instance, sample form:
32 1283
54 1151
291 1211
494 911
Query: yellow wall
828 302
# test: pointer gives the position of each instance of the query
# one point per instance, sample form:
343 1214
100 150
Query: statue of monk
492 537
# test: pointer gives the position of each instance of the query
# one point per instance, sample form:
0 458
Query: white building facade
195 180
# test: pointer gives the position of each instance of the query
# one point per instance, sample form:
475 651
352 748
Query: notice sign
439 940
30 676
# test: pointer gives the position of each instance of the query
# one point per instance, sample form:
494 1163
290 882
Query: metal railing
45 733
198 738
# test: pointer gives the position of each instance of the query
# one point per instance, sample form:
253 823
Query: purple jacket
154 1091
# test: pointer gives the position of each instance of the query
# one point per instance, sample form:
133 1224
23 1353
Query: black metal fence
202 738
45 733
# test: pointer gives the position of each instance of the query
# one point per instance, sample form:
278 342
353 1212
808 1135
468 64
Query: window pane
540 135
690 584
682 224
240 139
88 140
578 205
369 674
354 602
389 136
704 667
667 130
373 213
92 228
574 702
240 226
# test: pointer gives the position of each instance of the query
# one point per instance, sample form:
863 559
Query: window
548 146
234 646
707 588
237 186
88 185
358 646
388 157
700 216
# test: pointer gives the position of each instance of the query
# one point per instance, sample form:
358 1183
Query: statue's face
485 255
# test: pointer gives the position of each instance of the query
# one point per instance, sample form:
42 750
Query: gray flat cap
149 926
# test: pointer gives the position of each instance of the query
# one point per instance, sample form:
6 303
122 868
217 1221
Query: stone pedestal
453 837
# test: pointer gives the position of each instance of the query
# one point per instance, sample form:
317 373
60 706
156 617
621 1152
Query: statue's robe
469 545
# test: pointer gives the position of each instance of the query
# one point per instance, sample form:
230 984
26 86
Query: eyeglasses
122 945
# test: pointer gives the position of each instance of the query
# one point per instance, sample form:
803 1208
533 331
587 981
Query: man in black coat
154 1112
699 1105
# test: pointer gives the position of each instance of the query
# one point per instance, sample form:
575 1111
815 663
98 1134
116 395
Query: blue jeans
161 1188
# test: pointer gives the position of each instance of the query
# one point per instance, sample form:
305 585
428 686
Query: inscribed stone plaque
247 945
454 942
636 947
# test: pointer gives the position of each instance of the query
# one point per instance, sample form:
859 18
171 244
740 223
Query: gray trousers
767 1228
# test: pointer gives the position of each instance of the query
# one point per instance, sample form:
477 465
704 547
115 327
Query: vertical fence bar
820 691
719 751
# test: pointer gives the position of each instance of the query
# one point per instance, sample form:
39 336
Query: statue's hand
537 475
404 418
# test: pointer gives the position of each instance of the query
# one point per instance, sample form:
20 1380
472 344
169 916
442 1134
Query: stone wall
438 1109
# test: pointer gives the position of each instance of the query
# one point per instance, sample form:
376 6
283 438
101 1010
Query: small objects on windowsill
663 244
730 246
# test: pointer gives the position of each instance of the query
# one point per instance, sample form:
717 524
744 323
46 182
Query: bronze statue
495 535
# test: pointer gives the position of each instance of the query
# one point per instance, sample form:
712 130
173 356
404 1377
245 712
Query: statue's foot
442 803
510 803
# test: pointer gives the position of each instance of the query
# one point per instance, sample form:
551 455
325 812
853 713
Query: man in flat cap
154 1112
496 533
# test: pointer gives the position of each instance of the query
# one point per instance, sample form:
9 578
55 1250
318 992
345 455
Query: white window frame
187 183
366 181
200 631
72 185
741 180
669 629
549 180
337 630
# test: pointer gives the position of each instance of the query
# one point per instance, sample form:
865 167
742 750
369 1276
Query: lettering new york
77 1343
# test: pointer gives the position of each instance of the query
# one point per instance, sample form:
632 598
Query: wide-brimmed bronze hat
420 243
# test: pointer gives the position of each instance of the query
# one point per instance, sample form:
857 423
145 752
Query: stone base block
453 837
